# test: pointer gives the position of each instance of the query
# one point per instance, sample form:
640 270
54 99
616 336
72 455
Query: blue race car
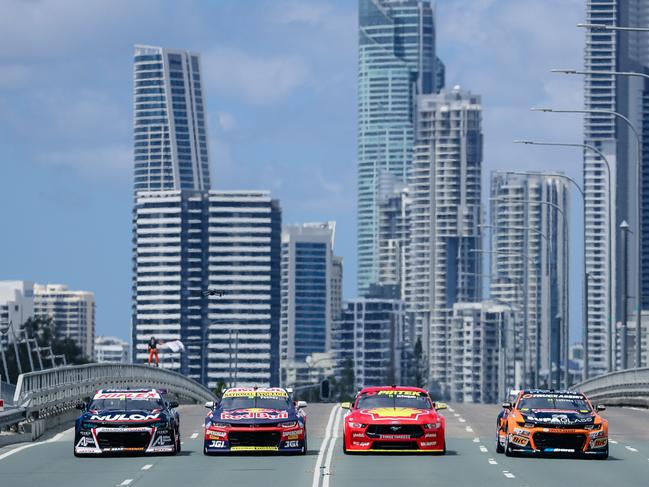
127 421
255 419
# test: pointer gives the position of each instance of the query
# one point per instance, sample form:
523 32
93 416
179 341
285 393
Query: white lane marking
630 448
461 420
509 475
469 429
483 449
147 467
493 462
194 436
450 409
327 464
126 482
323 447
56 437
476 440
456 415
612 442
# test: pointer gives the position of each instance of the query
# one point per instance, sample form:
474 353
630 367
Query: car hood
251 416
390 415
553 417
121 416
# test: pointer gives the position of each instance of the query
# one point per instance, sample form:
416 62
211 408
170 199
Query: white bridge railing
622 388
58 389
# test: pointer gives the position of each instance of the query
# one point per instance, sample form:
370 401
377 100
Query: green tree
419 365
221 385
47 334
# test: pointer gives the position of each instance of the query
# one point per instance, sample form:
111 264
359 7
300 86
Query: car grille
559 440
377 430
138 439
394 445
250 438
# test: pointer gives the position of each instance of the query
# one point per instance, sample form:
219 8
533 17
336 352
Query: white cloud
226 121
299 12
255 78
98 163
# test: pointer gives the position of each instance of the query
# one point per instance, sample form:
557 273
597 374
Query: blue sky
281 97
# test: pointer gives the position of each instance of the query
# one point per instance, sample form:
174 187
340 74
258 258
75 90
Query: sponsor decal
292 444
596 434
599 443
254 413
428 443
397 392
216 444
127 395
254 448
358 435
521 432
570 397
123 430
269 392
214 435
560 450
558 419
381 413
394 437
519 440
124 417
162 440
84 450
86 441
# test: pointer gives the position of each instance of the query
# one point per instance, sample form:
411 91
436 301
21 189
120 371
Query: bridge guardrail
55 390
622 388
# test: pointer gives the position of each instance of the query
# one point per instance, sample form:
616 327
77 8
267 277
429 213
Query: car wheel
305 447
178 442
604 455
499 447
508 451
345 445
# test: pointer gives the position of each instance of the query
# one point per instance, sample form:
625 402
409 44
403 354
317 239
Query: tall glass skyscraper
170 128
397 62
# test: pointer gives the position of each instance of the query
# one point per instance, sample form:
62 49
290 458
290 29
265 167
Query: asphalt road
471 460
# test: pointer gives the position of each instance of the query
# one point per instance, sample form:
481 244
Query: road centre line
56 437
508 474
126 482
456 415
450 409
469 429
630 448
147 466
461 420
493 462
323 447
613 442
476 440
194 436
483 449
332 443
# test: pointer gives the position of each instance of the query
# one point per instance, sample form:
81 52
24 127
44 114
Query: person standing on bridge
153 351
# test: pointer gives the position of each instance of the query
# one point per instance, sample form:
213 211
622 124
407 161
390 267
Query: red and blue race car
255 419
392 418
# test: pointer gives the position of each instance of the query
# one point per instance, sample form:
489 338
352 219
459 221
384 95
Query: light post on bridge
638 210
592 148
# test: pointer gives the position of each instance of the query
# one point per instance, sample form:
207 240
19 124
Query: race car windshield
394 399
125 404
573 403
255 401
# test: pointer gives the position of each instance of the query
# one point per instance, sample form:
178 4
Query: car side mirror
301 404
440 405
600 407
81 406
346 405
209 404
507 405
173 404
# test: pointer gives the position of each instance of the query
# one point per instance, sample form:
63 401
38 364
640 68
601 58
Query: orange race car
548 422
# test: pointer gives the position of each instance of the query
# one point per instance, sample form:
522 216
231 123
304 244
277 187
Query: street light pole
638 215
624 227
611 332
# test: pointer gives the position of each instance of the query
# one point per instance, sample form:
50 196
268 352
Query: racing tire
178 442
305 448
508 451
345 446
603 456
499 447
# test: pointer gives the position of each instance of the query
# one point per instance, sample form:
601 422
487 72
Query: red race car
392 418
